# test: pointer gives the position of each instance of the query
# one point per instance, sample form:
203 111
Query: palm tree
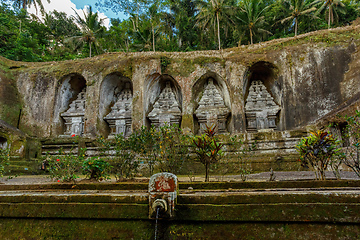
91 26
27 3
253 19
212 11
182 13
297 8
332 7
154 14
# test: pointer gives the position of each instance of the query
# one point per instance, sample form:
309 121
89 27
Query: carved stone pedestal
260 108
166 109
119 119
212 109
74 116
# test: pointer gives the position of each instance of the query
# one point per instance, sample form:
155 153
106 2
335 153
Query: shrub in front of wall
96 168
208 149
242 151
4 159
351 142
66 165
318 151
124 164
173 148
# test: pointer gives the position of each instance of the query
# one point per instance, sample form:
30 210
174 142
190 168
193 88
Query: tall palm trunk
296 25
90 48
218 30
251 37
329 20
153 34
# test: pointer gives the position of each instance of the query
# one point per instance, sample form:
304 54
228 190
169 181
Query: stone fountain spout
162 195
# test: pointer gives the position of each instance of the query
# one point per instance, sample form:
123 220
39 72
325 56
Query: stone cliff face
307 78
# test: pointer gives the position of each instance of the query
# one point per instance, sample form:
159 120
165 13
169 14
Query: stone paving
263 176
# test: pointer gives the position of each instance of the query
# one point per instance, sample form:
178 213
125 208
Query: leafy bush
124 164
318 151
351 142
66 165
173 147
207 148
96 168
145 143
242 151
4 159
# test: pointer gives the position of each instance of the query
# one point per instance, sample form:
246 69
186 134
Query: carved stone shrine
74 116
212 109
260 108
166 109
119 119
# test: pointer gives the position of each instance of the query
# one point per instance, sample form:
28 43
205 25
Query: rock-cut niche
212 103
163 101
71 103
3 143
115 106
261 109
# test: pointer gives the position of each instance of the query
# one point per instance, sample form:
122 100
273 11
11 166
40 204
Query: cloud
67 6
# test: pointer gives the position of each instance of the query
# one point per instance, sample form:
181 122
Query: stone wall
304 78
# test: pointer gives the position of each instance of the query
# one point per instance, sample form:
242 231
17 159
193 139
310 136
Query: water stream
156 222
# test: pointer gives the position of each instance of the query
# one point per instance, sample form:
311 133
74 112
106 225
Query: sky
67 5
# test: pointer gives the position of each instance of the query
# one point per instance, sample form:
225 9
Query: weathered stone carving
3 143
166 109
119 119
74 116
260 108
212 109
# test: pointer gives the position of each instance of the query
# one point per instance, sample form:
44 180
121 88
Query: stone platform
222 210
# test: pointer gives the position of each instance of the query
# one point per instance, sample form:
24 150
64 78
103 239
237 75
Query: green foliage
146 144
165 148
318 151
331 8
4 159
252 18
174 150
66 165
91 29
208 149
351 142
213 13
183 25
96 168
243 152
124 164
298 9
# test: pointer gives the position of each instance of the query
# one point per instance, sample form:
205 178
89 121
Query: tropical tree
208 148
297 8
252 17
132 8
212 12
155 16
27 3
331 9
60 25
91 27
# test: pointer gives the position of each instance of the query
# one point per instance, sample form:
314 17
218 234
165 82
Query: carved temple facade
74 116
119 119
211 107
166 109
260 108
212 110
120 92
